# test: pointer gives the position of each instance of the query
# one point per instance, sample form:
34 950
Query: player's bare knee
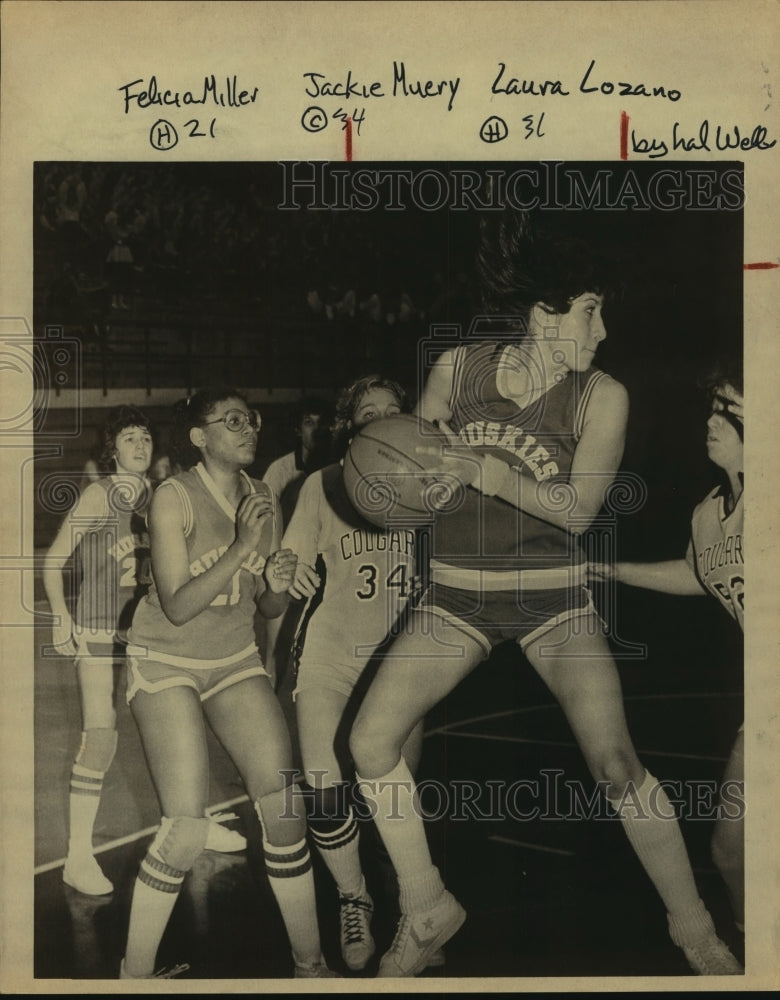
619 772
180 841
371 751
282 814
97 750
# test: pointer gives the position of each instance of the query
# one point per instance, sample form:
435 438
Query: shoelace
170 973
402 933
353 920
222 817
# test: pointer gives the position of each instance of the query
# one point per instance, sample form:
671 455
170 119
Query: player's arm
183 596
279 570
303 535
434 402
87 513
594 466
673 576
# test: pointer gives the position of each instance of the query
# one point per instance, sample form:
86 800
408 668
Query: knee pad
97 750
180 841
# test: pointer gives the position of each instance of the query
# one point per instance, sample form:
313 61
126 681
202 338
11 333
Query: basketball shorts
495 616
151 671
336 674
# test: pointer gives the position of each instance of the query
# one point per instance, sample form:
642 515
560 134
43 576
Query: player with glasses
215 546
237 420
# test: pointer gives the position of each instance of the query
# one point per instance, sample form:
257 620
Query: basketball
388 477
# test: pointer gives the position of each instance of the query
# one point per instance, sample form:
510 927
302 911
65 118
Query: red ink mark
349 140
761 265
623 135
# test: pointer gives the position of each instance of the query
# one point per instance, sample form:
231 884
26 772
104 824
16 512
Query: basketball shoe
357 945
420 935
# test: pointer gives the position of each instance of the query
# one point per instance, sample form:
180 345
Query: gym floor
545 895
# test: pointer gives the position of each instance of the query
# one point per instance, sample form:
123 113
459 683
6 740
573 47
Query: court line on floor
531 847
450 730
132 837
574 746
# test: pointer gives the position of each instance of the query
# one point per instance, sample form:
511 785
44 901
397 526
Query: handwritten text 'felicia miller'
224 93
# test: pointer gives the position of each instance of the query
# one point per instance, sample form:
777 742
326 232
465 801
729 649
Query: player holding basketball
507 565
714 563
368 582
106 527
215 552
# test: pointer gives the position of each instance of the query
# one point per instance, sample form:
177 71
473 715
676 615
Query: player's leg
173 734
413 678
248 720
728 841
576 664
94 757
332 822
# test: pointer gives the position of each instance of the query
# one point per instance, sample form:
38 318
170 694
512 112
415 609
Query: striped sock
156 890
292 881
86 787
339 847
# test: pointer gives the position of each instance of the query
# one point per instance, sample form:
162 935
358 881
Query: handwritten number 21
194 131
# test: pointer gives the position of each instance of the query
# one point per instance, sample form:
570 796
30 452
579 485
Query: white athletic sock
86 788
292 882
340 850
397 816
156 890
653 831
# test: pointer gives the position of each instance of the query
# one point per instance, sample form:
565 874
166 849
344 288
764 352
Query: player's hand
306 582
484 472
251 515
603 572
452 461
279 571
736 402
62 637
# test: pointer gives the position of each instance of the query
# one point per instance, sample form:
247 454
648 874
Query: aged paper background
62 65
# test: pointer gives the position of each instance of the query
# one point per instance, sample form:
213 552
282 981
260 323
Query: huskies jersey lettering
114 558
226 626
369 574
539 440
715 552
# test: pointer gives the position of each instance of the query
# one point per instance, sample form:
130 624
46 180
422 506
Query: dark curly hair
725 371
521 264
118 420
192 412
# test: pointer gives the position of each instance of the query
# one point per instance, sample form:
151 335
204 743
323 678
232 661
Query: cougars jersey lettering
114 558
368 573
538 440
226 626
715 553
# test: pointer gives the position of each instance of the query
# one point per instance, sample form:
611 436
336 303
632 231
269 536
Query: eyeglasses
236 420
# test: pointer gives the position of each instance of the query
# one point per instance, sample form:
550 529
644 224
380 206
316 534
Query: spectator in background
285 475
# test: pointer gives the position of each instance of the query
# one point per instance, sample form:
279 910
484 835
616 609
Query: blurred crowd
113 237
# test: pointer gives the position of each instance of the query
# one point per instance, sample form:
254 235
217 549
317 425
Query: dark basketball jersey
225 629
716 555
538 440
114 558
